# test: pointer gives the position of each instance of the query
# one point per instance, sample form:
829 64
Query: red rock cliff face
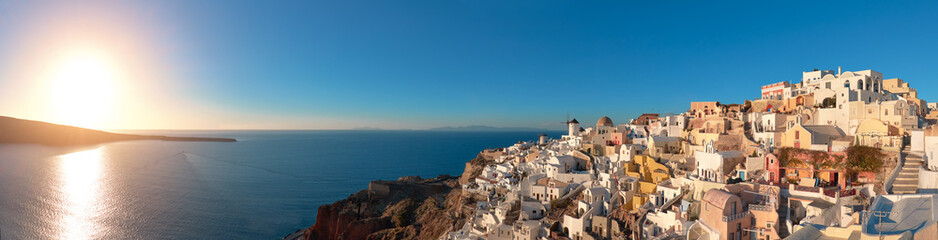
335 222
409 208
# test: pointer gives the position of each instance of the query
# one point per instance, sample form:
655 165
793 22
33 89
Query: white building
767 128
548 189
857 96
714 166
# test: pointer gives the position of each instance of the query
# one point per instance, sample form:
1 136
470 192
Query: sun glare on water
83 89
82 203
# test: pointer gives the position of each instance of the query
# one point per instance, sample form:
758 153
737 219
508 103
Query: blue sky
422 64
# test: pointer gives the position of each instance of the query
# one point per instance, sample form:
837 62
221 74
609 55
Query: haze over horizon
421 65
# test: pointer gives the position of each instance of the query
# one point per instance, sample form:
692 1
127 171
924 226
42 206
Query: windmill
568 120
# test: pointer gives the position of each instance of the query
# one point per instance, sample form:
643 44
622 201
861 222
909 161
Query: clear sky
421 64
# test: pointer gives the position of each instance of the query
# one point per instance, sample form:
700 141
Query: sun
83 89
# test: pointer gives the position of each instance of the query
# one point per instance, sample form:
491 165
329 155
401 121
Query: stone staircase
907 180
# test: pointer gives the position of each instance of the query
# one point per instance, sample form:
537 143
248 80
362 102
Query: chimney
838 71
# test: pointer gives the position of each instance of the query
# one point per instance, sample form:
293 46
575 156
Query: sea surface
267 185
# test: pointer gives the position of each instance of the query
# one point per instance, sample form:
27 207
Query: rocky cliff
409 208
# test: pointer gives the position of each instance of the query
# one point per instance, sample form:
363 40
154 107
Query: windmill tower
573 127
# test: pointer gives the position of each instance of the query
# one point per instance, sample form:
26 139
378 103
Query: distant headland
14 130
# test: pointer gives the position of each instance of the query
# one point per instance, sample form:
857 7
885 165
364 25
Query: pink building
771 166
723 213
833 175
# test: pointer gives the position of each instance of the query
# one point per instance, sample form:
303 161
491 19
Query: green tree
863 158
786 157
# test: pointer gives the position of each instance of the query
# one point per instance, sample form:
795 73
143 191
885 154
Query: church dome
604 121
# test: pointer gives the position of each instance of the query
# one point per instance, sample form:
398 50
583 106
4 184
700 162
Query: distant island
14 130
477 128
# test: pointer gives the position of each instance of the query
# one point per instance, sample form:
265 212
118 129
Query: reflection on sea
80 190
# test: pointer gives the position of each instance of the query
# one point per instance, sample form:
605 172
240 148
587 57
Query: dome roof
718 197
604 121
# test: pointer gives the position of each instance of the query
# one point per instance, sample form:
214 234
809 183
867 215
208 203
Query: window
739 228
828 85
797 134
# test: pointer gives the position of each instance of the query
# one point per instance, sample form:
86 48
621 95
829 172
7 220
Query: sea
265 186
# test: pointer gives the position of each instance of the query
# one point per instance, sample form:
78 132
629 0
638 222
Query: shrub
559 203
864 158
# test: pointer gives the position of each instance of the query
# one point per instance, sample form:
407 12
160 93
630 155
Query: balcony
761 208
806 189
733 217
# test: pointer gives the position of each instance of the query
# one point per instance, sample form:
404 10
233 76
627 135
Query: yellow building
650 173
803 100
876 133
815 137
902 88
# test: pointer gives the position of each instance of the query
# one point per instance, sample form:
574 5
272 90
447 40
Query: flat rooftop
896 214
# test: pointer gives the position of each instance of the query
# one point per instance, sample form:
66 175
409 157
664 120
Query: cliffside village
838 155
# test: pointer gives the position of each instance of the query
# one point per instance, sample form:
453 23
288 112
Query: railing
729 218
806 188
887 186
760 207
830 193
782 185
847 193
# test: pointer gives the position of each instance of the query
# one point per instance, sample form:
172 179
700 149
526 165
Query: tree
864 158
786 157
